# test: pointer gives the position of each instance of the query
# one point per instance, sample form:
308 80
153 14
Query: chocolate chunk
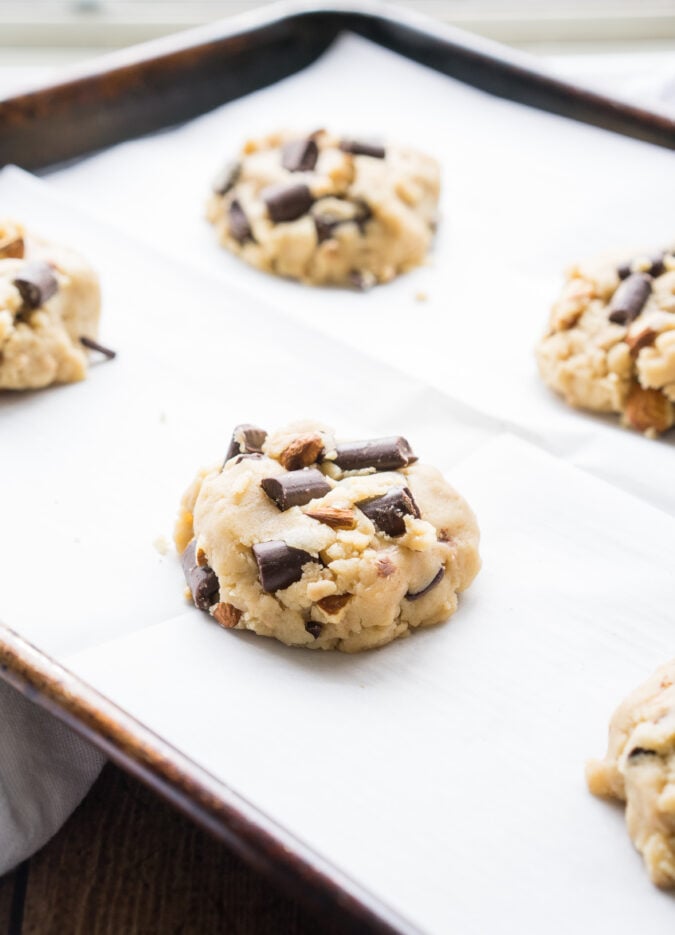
95 346
249 455
300 155
227 178
201 580
657 267
325 227
301 452
326 222
416 595
363 148
295 488
36 283
287 202
189 557
362 279
279 565
641 751
246 439
314 628
384 454
387 513
334 516
238 223
629 299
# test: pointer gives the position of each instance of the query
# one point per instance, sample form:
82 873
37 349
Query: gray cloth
45 771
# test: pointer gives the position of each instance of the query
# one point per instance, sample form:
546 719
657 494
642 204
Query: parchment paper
525 195
445 772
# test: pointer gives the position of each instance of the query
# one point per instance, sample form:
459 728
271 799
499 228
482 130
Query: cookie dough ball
323 209
323 544
611 341
639 769
49 305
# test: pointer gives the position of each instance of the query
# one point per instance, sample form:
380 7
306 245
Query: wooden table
128 864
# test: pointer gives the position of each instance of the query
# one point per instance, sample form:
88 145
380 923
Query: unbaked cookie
611 341
325 544
49 311
639 769
323 209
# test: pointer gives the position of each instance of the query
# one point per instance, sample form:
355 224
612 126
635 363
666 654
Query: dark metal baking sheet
126 95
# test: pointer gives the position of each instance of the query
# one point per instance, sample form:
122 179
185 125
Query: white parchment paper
445 772
525 194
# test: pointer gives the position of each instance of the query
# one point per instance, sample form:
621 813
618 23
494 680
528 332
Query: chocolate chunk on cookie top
293 541
610 345
639 769
49 311
325 209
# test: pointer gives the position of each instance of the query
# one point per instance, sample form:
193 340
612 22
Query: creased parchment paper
525 195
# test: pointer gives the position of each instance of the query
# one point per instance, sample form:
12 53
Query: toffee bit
334 603
92 345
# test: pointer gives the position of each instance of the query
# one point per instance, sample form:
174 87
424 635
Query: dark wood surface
126 862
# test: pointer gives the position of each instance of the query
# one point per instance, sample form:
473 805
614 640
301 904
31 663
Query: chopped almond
649 411
301 452
333 516
226 615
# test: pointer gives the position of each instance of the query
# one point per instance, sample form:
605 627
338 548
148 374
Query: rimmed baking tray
162 83
165 83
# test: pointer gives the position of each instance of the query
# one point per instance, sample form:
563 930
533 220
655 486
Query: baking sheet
445 772
525 194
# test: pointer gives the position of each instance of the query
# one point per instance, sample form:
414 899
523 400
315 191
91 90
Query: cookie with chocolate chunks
608 346
49 311
298 205
321 557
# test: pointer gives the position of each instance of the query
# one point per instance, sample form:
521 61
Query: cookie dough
49 310
324 544
324 209
611 341
639 769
